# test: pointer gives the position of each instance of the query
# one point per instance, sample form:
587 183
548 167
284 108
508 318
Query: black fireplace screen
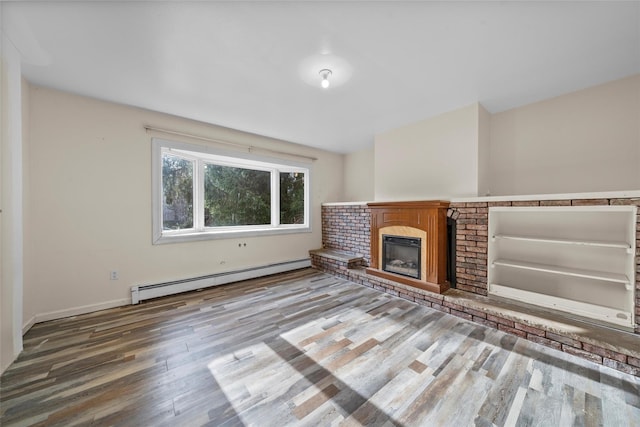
401 255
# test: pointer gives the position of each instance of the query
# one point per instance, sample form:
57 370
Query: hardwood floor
302 348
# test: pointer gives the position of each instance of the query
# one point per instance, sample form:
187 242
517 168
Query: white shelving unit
576 259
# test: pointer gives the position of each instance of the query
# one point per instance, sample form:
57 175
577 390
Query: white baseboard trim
29 323
75 311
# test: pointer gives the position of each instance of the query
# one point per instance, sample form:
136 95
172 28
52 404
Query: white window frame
203 155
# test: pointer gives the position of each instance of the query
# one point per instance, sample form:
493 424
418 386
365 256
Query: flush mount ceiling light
329 67
324 74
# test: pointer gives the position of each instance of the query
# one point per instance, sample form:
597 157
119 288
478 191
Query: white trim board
628 194
28 324
73 311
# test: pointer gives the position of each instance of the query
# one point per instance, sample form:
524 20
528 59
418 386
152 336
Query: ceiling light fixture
325 73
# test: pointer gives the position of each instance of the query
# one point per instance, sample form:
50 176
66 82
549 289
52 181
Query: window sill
227 234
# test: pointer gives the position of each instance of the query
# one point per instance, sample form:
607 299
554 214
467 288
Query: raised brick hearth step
331 259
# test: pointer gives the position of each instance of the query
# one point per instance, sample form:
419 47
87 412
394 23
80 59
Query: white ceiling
254 65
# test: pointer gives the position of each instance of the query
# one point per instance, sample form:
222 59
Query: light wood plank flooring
303 348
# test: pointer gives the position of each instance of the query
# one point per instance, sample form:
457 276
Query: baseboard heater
145 292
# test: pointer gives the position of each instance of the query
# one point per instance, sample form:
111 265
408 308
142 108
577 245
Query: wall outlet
114 275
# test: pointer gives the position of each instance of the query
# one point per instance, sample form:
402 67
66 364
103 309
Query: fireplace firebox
401 255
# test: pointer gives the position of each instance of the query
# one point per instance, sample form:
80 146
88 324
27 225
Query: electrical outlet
114 275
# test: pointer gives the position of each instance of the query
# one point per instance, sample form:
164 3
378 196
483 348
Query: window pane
236 196
291 198
177 193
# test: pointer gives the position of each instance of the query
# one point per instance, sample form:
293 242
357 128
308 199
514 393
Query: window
204 193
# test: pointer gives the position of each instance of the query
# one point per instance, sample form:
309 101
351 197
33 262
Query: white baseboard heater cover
145 292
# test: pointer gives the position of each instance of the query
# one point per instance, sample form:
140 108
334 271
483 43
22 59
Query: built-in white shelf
599 243
598 312
575 272
578 259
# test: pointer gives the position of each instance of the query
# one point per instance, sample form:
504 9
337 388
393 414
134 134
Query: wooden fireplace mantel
429 217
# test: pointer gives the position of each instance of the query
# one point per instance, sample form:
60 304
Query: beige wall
484 151
11 197
430 159
90 205
586 141
6 323
580 142
27 235
359 176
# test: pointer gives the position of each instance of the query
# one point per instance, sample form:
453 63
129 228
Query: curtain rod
249 148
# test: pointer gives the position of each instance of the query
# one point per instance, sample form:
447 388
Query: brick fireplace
347 228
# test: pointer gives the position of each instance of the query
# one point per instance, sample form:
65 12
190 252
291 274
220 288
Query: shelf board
575 272
588 310
597 243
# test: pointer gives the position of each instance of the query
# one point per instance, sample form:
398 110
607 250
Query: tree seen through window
291 198
236 196
177 192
